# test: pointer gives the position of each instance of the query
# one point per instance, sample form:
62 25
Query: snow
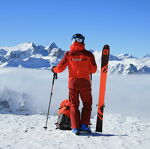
50 47
27 91
26 132
124 56
20 47
29 55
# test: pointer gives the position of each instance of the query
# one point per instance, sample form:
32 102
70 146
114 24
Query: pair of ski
102 88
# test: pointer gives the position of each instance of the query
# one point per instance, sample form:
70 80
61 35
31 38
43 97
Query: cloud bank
28 90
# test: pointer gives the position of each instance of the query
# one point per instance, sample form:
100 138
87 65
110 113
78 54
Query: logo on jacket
78 59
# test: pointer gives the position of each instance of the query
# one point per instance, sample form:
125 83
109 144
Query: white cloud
30 88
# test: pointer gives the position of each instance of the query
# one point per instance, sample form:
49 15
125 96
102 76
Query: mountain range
29 55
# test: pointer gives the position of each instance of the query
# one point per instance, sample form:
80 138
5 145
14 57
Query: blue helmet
78 38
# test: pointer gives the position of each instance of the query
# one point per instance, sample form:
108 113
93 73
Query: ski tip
106 47
45 128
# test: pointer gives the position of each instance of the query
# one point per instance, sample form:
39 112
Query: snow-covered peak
97 55
29 55
3 52
148 55
51 46
20 47
124 56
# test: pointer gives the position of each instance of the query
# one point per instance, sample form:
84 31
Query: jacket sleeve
62 65
93 65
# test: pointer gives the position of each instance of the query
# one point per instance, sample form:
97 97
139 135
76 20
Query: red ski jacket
81 63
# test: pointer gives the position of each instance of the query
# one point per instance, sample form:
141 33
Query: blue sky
123 24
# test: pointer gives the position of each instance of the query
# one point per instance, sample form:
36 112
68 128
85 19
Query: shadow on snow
96 134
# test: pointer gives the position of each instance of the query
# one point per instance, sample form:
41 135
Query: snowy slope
24 96
26 132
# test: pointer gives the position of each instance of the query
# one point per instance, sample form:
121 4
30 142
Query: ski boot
85 128
76 131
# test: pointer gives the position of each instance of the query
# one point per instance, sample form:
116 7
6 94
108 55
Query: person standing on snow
81 63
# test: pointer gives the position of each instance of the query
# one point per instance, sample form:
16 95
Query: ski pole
54 77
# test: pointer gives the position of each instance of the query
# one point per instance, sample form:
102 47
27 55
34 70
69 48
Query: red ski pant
86 98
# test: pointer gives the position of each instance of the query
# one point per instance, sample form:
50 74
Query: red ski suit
81 63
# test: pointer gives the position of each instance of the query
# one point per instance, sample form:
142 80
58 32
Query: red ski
103 78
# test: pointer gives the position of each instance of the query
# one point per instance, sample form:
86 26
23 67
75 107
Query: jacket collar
77 46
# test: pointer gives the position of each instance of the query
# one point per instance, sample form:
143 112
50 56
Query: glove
55 74
53 69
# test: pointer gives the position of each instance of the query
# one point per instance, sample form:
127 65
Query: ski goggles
77 39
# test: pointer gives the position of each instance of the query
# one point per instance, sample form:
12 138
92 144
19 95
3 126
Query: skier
81 63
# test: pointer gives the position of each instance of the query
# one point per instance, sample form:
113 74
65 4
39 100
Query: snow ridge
29 55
